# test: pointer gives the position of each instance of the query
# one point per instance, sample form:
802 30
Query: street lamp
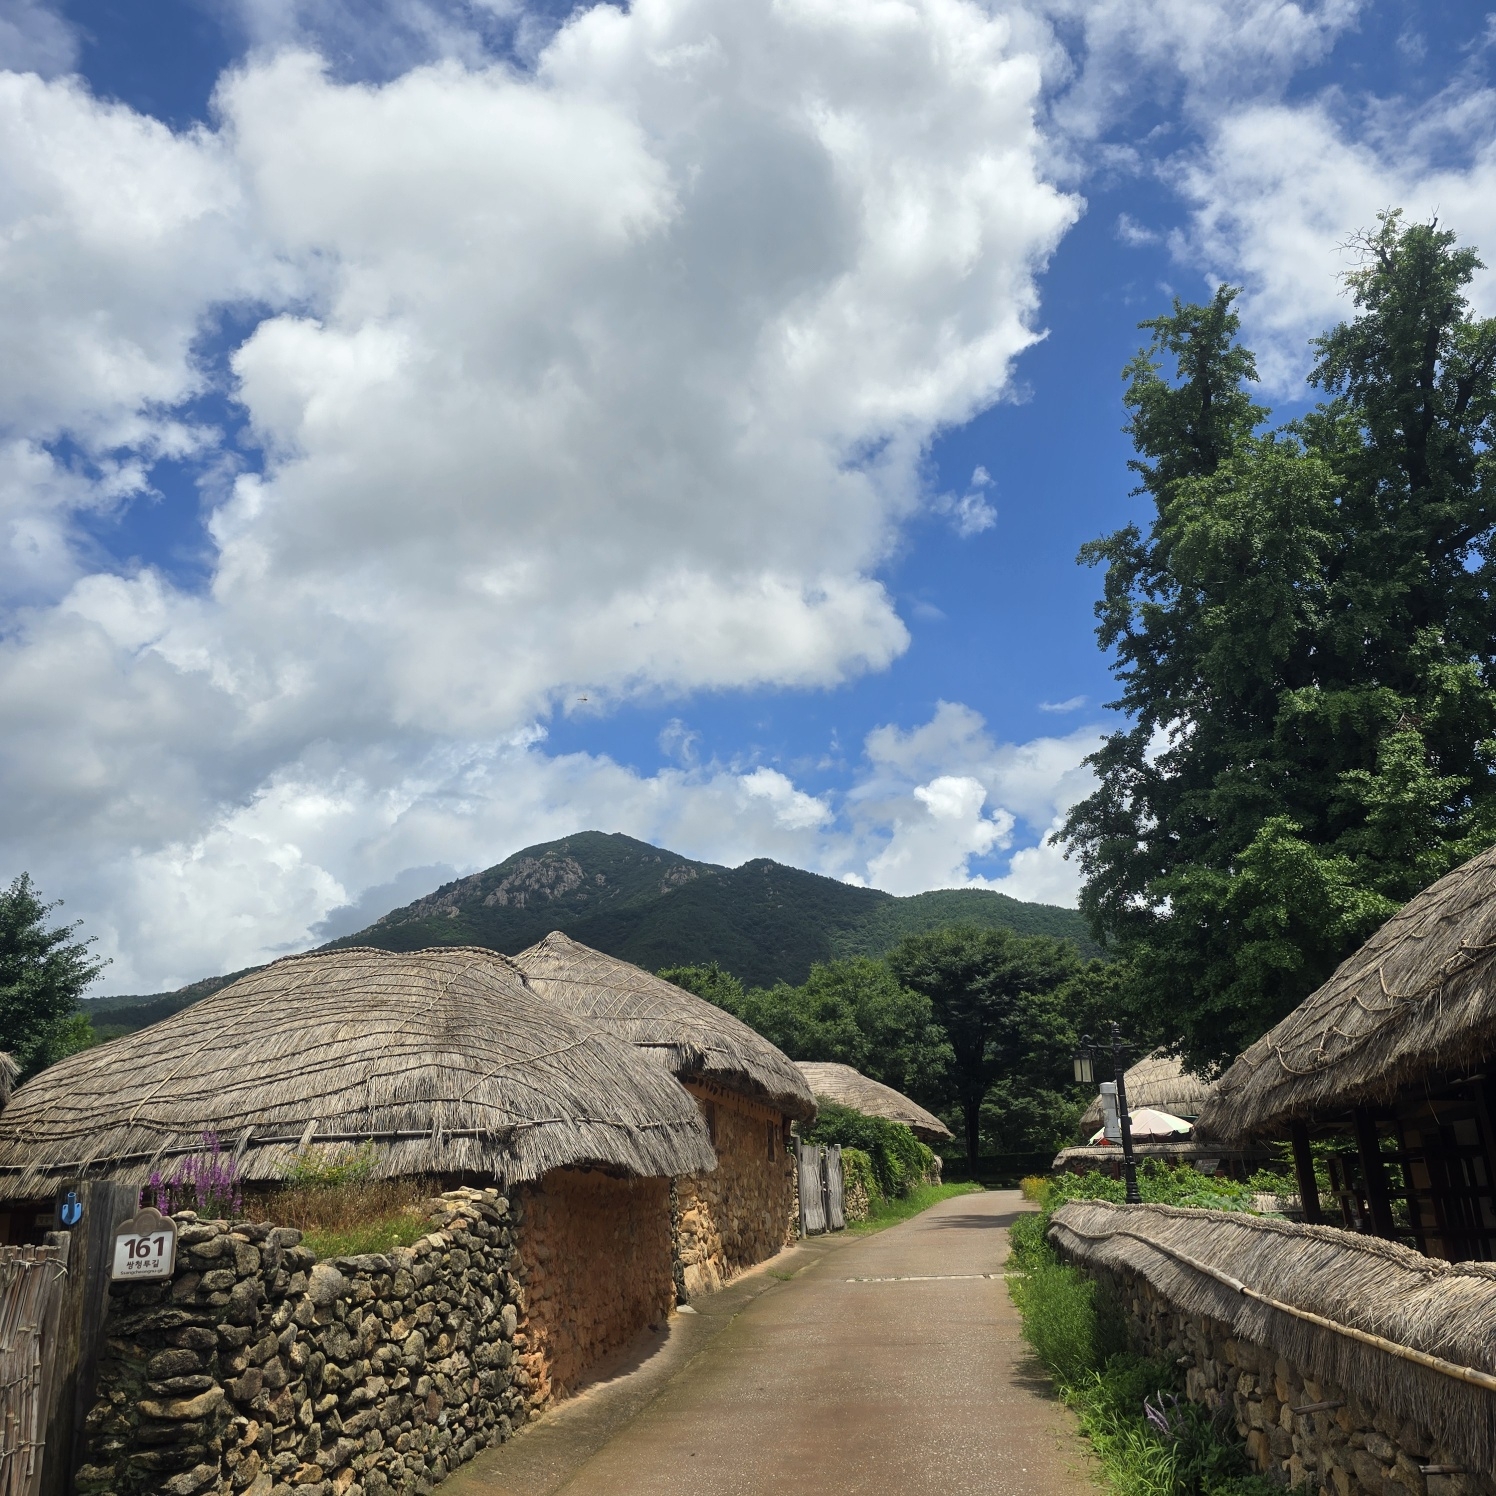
1085 1074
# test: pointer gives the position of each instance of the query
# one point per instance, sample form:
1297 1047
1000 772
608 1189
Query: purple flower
208 1183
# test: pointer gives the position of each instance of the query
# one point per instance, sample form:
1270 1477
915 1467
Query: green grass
1079 1335
883 1213
371 1236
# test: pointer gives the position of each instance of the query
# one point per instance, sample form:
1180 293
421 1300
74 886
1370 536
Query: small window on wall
709 1111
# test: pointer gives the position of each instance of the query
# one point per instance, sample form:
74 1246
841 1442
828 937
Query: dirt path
886 1364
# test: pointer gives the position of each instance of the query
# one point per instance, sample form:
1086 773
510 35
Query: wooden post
1373 1174
1303 1168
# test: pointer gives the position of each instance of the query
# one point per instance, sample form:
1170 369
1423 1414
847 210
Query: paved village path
909 1379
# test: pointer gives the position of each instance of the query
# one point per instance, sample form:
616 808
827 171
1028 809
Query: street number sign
145 1248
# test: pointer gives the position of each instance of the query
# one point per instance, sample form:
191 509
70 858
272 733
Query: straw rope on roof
841 1085
694 1037
1418 998
1371 1316
1159 1080
441 1060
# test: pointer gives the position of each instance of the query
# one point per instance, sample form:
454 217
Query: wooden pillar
1303 1168
1373 1174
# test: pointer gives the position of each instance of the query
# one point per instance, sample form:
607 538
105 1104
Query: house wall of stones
259 1371
735 1216
595 1267
1347 1448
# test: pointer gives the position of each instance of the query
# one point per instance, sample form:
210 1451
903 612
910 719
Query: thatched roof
1360 1283
8 1072
1185 1150
1159 1081
441 1059
841 1085
1419 998
694 1037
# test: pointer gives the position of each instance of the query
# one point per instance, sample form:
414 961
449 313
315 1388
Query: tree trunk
973 1112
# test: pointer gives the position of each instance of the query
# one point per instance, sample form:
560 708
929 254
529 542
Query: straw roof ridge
1158 1080
441 1060
694 1037
1373 1286
843 1085
1418 997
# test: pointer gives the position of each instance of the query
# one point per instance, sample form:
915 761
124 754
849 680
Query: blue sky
432 428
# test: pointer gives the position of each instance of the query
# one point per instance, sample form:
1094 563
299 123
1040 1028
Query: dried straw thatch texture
1185 1150
1159 1081
1360 1282
441 1060
693 1037
8 1072
1417 998
841 1085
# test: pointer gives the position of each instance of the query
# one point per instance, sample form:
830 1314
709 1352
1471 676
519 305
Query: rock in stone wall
595 1264
1347 1449
258 1370
735 1216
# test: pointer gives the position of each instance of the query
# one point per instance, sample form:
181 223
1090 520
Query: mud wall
737 1215
595 1268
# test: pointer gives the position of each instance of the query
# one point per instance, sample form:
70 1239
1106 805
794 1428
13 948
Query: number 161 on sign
145 1247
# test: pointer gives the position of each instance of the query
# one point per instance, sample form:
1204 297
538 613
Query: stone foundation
595 1262
1346 1449
735 1216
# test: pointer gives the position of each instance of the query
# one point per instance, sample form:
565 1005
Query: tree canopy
1305 640
42 974
997 997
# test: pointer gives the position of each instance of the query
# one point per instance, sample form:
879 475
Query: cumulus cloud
611 376
1278 190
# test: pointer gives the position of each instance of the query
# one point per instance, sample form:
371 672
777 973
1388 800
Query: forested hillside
763 922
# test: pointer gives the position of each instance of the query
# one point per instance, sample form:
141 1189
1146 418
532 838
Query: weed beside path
1149 1440
883 1212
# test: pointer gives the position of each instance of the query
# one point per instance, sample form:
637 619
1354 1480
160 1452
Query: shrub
315 1170
1072 1326
1034 1187
899 1160
857 1168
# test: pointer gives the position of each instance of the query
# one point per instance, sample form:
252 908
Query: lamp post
1085 1074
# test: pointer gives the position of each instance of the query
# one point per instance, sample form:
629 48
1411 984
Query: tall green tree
996 995
1305 639
43 972
852 1011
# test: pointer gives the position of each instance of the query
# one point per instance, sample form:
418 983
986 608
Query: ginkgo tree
1305 638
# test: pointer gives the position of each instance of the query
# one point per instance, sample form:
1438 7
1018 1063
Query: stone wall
735 1216
595 1264
259 1371
1344 1449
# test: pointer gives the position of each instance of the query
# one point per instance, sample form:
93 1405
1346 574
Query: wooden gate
820 1176
31 1290
836 1219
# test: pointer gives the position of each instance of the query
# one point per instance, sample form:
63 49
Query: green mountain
763 921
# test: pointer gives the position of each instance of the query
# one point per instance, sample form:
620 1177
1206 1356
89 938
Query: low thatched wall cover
692 1036
441 1061
1418 997
844 1086
1373 1289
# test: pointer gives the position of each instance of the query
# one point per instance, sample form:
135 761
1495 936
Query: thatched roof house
1159 1081
1395 1049
841 1085
1418 998
693 1037
440 1060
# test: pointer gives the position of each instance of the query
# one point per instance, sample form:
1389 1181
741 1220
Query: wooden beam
1373 1173
1303 1168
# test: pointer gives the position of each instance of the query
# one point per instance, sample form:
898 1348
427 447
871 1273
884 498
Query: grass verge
1148 1439
883 1212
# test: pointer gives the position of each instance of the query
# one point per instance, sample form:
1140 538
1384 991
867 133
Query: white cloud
612 379
1279 190
34 38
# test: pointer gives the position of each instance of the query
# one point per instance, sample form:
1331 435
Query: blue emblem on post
70 1210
